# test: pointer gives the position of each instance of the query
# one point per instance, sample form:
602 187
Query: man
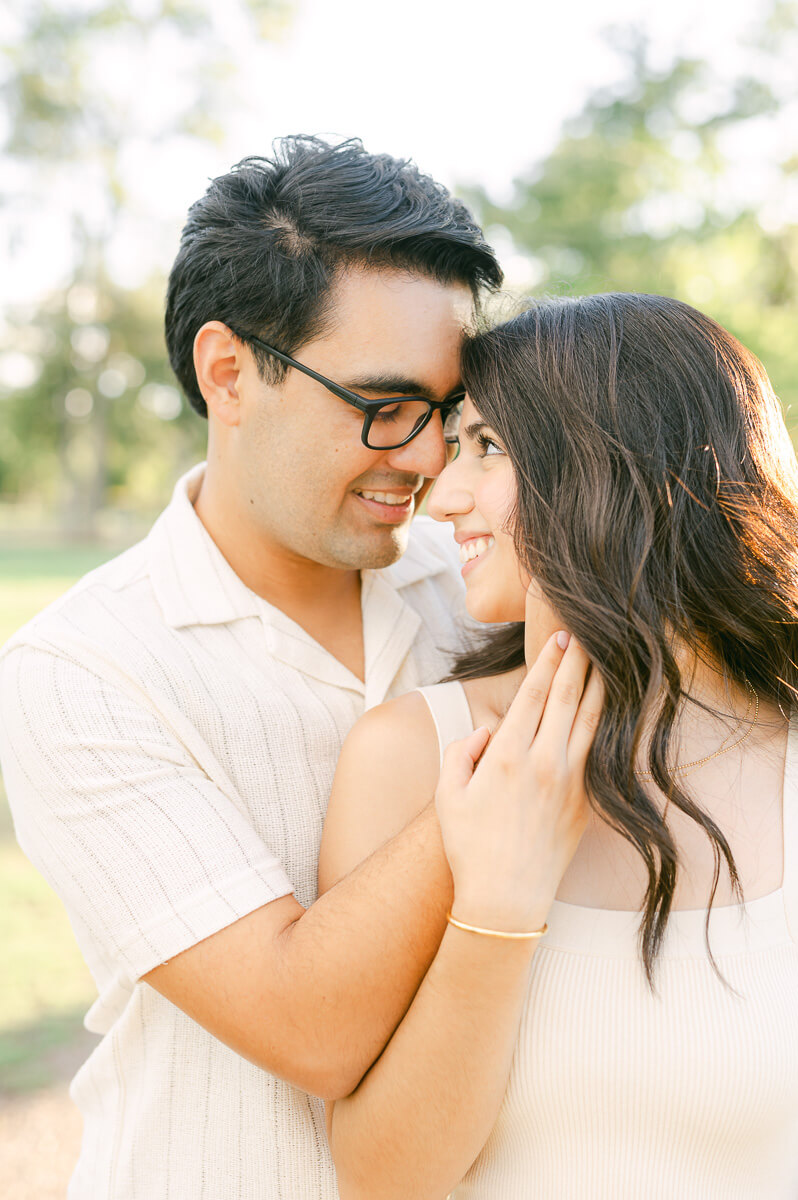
170 728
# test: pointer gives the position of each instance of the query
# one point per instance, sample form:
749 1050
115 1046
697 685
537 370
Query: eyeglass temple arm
365 406
336 388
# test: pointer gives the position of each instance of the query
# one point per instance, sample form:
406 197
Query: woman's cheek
495 598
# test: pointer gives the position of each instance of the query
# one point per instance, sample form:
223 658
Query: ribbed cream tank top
618 1094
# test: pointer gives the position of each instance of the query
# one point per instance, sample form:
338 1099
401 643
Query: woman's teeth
385 497
474 548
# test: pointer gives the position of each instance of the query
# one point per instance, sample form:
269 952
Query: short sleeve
148 853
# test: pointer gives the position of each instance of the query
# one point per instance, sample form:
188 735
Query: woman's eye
488 446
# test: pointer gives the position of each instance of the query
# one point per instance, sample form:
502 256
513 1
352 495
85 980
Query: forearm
353 961
425 1109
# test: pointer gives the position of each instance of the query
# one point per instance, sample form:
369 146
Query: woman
624 478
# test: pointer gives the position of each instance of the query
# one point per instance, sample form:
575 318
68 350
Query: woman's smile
474 548
476 492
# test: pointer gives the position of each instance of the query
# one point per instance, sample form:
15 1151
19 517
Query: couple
542 982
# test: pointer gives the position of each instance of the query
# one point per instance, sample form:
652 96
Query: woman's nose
449 496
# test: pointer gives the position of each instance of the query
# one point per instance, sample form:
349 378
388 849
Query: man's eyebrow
396 385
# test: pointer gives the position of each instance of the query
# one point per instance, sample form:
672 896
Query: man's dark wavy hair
261 249
657 505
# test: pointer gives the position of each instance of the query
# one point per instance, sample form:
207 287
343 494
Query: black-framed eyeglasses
387 424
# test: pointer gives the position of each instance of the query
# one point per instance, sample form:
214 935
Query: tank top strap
790 824
449 707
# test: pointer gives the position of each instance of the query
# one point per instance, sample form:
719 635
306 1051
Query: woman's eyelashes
487 445
479 443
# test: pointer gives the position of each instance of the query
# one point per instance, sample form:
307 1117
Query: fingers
586 721
557 707
565 694
461 757
523 716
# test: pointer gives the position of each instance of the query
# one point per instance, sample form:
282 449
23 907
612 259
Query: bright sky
474 90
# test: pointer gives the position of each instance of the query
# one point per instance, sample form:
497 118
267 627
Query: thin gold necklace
724 747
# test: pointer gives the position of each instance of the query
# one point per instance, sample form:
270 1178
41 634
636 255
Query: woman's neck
716 714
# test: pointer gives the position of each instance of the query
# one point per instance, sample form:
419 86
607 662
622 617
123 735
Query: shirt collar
195 585
192 580
421 559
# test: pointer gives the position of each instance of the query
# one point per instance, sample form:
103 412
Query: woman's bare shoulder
386 774
409 707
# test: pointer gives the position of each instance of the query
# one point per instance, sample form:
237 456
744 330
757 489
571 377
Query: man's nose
425 454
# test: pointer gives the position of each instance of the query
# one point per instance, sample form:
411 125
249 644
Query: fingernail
563 639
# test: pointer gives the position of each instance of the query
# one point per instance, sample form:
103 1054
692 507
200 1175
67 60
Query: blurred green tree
88 408
642 193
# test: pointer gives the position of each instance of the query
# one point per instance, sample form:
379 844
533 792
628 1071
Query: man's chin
372 553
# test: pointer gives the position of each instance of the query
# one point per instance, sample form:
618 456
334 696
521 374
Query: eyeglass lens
397 423
451 426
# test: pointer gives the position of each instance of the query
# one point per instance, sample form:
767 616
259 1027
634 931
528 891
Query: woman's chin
492 610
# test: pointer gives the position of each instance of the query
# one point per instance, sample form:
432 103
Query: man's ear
218 361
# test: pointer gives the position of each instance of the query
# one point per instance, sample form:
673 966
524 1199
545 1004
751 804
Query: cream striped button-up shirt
168 741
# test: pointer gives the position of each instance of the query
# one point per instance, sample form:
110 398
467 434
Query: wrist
503 917
507 935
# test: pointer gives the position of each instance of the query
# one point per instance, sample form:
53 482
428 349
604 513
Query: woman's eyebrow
474 429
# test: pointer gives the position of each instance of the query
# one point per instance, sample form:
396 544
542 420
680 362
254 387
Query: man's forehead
396 332
380 298
432 371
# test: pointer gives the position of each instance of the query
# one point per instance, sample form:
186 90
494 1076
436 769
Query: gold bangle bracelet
497 933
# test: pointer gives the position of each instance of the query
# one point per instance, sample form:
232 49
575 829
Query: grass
31 577
42 968
46 985
43 1052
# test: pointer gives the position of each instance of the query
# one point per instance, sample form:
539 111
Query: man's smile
390 507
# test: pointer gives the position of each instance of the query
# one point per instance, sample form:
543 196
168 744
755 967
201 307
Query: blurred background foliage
640 193
91 422
643 193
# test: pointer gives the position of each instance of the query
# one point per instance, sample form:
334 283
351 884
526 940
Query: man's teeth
473 549
385 497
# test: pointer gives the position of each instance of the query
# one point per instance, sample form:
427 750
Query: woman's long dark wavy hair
657 506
